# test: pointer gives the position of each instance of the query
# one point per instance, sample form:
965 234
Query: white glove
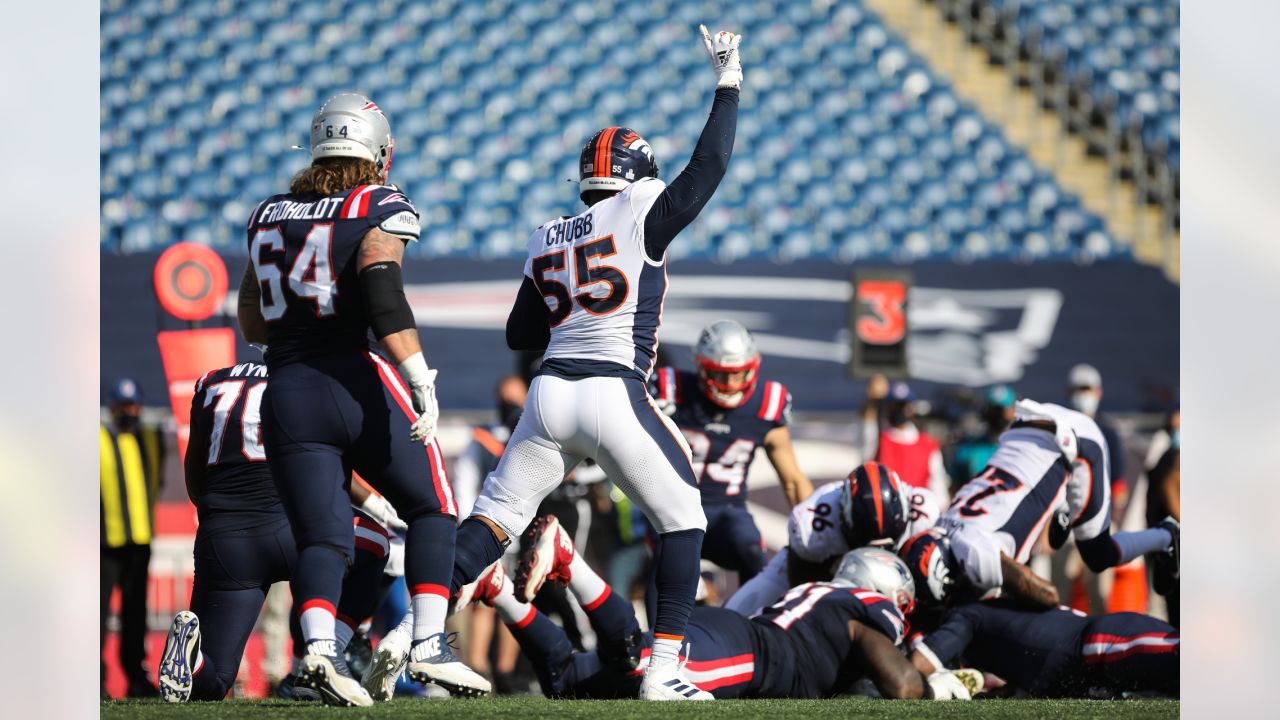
380 509
422 388
947 686
723 50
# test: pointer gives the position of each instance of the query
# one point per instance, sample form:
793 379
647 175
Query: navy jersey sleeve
529 324
389 210
685 196
882 614
949 641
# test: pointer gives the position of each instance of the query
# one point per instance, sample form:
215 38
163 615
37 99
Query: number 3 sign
878 322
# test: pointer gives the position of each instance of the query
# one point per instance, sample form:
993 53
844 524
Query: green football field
520 708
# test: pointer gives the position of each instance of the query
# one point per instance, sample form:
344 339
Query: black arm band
384 300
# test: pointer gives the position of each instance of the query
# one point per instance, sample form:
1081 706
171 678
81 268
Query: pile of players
270 466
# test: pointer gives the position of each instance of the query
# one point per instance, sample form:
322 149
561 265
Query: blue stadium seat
847 149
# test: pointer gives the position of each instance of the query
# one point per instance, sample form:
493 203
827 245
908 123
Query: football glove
947 686
381 510
723 49
422 389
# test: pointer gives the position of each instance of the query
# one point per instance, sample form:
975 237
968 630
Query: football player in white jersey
1050 457
871 507
592 299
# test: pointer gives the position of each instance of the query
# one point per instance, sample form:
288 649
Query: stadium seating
849 147
1125 54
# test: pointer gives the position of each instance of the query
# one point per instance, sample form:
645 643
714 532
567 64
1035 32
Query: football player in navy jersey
243 543
1058 652
726 412
324 273
814 643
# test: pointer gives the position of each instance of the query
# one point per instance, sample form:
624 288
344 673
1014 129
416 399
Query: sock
585 584
318 621
317 585
428 564
1141 542
477 548
343 629
665 651
510 609
676 566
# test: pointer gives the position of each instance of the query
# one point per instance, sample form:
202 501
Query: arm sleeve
529 324
949 641
685 196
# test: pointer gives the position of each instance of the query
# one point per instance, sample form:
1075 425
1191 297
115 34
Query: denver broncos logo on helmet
614 158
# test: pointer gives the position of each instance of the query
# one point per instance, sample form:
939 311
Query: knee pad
506 509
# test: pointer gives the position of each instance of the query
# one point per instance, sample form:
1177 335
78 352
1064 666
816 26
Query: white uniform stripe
1110 648
353 209
373 536
774 398
450 507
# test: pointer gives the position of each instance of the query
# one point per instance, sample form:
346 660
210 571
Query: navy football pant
325 417
233 571
733 541
1133 652
718 646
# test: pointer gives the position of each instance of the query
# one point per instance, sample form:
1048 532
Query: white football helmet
350 125
878 570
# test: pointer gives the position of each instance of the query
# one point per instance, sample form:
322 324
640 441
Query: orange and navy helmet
874 510
932 564
614 158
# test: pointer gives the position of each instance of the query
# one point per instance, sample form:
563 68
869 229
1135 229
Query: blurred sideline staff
890 436
129 481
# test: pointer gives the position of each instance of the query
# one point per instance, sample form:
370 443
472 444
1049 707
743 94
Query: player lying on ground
592 300
870 507
1049 458
1057 652
816 642
244 543
324 274
725 412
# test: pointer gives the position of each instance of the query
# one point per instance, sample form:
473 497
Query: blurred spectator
974 451
890 435
129 480
1164 483
1085 386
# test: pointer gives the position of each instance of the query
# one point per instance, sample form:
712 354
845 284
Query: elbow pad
384 300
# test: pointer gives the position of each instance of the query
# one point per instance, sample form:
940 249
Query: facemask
1085 402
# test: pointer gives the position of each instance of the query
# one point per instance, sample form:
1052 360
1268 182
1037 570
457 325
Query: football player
1057 652
244 543
324 272
725 413
870 507
816 642
1050 457
592 299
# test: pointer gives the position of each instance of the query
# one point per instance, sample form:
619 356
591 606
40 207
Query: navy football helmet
873 508
933 566
612 159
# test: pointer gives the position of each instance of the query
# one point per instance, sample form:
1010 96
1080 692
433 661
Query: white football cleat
669 683
432 661
386 666
546 555
324 671
181 653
